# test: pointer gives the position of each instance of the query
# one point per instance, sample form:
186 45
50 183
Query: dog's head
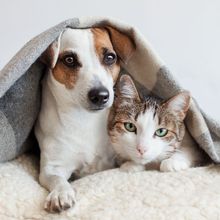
85 63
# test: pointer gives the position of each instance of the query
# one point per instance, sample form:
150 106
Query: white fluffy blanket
112 194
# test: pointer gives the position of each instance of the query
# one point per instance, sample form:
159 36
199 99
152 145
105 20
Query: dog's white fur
72 138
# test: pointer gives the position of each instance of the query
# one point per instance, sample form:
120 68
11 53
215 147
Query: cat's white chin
147 159
142 160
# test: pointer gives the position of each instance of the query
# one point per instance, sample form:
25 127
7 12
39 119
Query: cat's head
146 130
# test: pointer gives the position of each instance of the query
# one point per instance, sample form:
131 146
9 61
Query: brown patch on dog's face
123 44
111 46
103 48
67 68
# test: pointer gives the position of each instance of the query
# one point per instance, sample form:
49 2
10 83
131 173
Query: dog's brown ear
51 54
123 45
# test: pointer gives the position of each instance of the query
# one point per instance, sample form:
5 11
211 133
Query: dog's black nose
98 96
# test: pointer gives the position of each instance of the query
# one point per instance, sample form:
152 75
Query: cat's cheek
157 148
125 145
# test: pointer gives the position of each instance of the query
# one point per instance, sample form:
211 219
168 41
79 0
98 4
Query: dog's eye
109 58
70 60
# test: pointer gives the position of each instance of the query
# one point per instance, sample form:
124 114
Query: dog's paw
131 167
172 164
60 200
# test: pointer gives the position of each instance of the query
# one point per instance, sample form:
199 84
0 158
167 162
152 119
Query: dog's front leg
62 195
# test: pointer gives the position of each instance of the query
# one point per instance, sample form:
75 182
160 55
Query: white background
186 34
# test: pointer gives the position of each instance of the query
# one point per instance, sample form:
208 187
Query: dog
77 92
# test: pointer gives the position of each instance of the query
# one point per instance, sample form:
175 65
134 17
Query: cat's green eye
130 127
161 132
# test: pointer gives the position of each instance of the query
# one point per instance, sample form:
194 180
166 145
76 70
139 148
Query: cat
151 131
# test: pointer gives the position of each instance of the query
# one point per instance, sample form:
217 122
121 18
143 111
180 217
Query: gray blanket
20 89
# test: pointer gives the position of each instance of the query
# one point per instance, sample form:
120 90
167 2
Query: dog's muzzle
98 98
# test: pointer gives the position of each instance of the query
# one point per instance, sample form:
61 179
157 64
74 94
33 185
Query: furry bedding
190 194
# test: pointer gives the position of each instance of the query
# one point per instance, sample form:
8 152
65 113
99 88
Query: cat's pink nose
141 150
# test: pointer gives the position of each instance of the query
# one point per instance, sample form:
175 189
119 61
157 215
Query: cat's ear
179 104
126 88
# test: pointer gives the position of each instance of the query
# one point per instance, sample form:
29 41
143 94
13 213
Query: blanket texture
20 89
187 195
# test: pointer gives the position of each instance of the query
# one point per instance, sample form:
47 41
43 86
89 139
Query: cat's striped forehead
131 110
135 109
150 105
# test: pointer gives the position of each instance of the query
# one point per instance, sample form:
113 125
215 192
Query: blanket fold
20 88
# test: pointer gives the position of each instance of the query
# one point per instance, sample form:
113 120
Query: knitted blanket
20 89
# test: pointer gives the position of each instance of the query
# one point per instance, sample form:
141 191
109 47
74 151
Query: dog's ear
51 54
123 45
